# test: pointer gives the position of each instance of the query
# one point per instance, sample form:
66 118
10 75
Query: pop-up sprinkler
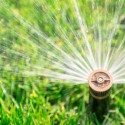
100 82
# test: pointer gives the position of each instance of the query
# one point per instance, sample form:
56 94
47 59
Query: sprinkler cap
100 80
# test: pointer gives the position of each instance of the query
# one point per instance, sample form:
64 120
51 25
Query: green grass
44 103
36 100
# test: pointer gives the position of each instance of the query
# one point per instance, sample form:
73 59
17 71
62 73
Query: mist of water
70 52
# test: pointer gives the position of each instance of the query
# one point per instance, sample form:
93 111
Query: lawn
28 99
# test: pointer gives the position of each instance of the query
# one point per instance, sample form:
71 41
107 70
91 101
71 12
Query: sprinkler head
100 81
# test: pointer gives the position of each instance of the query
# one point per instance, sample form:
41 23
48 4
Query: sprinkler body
100 82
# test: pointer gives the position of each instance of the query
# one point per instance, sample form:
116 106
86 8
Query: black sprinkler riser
100 82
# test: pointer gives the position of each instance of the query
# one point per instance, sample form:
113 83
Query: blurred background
27 99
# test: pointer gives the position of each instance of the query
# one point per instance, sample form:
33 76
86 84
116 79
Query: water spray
100 83
48 51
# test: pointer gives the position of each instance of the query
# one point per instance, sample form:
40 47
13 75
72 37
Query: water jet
86 47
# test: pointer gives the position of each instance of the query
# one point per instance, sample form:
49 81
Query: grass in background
36 100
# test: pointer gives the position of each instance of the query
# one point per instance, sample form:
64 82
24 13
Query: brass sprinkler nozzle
100 81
